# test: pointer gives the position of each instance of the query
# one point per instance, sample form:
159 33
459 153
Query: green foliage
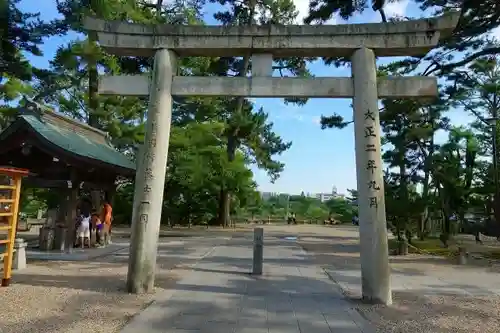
199 169
477 18
123 204
304 208
426 180
214 140
341 209
247 129
22 33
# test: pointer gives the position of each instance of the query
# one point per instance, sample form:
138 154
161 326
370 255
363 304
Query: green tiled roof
74 137
76 143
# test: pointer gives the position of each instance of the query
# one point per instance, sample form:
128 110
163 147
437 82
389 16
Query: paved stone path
420 274
460 281
220 295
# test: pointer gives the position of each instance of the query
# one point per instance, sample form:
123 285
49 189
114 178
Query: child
97 226
83 230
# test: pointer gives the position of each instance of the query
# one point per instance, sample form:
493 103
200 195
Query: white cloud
302 7
496 33
397 8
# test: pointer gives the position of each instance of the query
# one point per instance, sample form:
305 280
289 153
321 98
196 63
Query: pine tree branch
445 69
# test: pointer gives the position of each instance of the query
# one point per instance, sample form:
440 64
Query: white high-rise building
326 196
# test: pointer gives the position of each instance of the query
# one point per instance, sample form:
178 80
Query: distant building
323 197
268 195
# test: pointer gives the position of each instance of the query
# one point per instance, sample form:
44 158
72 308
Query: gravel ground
412 313
415 311
81 296
75 297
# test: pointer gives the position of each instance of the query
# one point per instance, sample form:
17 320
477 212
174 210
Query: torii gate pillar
150 176
374 253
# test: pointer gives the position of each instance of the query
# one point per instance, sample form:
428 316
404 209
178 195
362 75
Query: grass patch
432 246
495 254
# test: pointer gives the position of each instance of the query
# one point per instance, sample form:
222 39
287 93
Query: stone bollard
258 250
403 247
462 255
19 259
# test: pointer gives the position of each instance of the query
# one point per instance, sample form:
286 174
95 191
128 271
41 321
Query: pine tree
245 128
21 33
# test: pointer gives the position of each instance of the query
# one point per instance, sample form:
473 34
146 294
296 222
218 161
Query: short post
258 250
462 255
19 258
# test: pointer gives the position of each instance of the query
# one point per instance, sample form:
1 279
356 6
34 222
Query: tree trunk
93 88
224 208
496 196
159 4
225 195
445 236
93 119
424 217
403 188
232 138
382 15
446 229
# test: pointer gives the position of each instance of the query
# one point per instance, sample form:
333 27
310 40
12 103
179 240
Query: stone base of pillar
19 258
60 238
46 238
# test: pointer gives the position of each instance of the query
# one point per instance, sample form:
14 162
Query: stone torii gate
360 42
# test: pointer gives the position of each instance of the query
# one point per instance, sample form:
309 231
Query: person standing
97 227
83 230
106 219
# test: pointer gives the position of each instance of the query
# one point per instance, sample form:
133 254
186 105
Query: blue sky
318 159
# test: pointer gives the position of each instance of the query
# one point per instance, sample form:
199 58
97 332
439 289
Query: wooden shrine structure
62 153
